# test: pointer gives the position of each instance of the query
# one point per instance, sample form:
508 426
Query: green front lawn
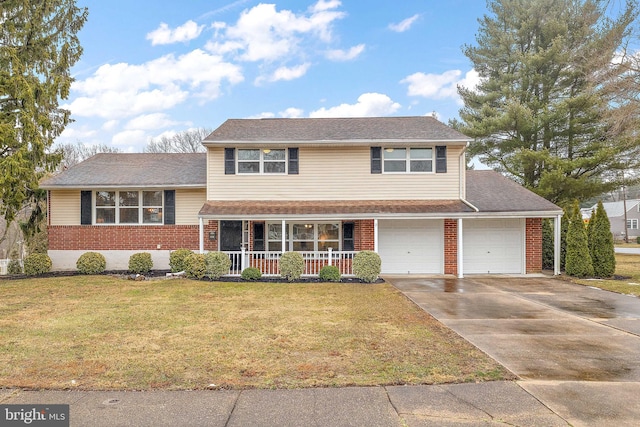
102 332
626 280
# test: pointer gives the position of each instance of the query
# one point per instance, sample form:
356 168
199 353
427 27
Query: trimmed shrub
638 240
329 273
14 267
35 264
578 262
196 266
217 264
367 266
291 265
547 245
140 263
178 259
251 273
91 263
601 248
564 228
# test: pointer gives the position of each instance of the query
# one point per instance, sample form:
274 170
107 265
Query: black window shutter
293 161
85 207
258 236
376 159
348 241
229 161
441 159
169 206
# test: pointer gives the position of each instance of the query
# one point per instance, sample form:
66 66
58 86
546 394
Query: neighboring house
325 187
615 212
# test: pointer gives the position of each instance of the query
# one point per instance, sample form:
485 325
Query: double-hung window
266 161
128 207
407 160
632 224
304 236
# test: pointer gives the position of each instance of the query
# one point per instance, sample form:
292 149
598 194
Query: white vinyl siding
493 246
333 173
65 207
411 246
188 204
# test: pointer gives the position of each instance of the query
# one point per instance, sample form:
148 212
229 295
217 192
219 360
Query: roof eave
119 186
335 142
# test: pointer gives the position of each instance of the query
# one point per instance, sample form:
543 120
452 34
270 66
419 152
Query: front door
230 235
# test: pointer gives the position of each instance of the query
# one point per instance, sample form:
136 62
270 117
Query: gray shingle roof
134 170
334 129
491 192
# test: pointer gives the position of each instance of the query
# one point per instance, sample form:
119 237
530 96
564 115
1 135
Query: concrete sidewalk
483 404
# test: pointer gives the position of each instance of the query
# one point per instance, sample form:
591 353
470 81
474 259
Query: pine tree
578 262
539 113
601 244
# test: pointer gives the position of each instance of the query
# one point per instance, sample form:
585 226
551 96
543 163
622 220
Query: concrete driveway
575 348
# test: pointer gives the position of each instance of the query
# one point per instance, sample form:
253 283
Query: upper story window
405 160
128 207
268 161
632 224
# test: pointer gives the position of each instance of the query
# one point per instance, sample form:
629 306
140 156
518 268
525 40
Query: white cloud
291 113
126 90
129 138
440 86
264 34
404 25
368 105
110 125
150 121
285 73
345 55
165 35
265 115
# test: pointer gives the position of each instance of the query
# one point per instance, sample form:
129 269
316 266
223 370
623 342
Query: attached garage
493 246
411 246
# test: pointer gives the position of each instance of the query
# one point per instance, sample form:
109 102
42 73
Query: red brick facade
534 245
364 235
450 246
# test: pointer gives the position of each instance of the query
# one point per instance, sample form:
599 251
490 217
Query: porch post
460 253
557 223
284 236
201 234
375 235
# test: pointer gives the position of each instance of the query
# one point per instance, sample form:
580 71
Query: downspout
201 234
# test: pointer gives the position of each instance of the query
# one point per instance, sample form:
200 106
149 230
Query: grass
627 274
102 332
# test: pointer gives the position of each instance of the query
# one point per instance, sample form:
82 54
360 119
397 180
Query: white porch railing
267 262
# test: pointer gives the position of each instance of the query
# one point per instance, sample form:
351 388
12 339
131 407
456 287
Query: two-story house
327 188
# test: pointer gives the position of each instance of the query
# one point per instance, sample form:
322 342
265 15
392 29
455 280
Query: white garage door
493 246
411 246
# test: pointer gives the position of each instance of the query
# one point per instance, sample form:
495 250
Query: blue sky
153 68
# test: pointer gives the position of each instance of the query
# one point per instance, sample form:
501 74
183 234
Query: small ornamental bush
14 267
35 264
578 261
601 247
140 263
217 264
91 263
638 240
366 266
330 273
178 259
196 266
291 265
251 273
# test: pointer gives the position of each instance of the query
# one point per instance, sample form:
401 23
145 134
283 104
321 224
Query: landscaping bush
601 248
547 245
35 264
140 263
91 263
330 273
178 260
638 240
217 264
196 266
291 265
14 267
578 262
367 266
251 273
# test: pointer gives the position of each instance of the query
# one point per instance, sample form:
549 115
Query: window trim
262 161
407 160
631 222
140 207
289 235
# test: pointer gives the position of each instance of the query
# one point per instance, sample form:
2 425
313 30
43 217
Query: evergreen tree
540 113
601 244
564 228
38 47
578 262
547 245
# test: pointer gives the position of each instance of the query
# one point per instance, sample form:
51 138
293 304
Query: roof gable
343 130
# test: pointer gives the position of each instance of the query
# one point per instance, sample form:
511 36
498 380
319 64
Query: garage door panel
411 246
493 246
